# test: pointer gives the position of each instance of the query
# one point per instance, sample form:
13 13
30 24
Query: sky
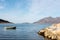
20 11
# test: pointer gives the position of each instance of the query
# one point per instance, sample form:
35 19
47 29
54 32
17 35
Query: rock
52 32
41 32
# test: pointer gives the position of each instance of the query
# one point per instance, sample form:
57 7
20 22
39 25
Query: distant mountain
49 20
4 21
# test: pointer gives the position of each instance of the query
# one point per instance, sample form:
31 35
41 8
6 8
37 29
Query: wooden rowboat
10 27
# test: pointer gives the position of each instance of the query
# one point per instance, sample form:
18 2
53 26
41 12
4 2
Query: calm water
23 32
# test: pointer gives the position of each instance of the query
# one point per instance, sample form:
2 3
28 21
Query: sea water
22 32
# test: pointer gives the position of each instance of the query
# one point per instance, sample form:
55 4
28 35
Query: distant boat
10 27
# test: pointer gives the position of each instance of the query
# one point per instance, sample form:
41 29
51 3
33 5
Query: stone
52 32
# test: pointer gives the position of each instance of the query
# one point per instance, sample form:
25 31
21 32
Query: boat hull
10 27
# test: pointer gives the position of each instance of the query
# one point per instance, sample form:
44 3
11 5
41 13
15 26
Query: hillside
4 21
48 20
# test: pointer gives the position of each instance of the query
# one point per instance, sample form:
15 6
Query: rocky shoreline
51 32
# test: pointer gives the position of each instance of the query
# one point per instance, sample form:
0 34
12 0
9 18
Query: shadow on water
47 39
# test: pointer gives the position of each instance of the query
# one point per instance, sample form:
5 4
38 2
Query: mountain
4 21
48 20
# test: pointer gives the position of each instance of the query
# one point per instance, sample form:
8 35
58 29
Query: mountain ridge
49 20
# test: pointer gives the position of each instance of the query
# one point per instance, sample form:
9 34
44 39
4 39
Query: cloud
41 8
31 10
34 10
